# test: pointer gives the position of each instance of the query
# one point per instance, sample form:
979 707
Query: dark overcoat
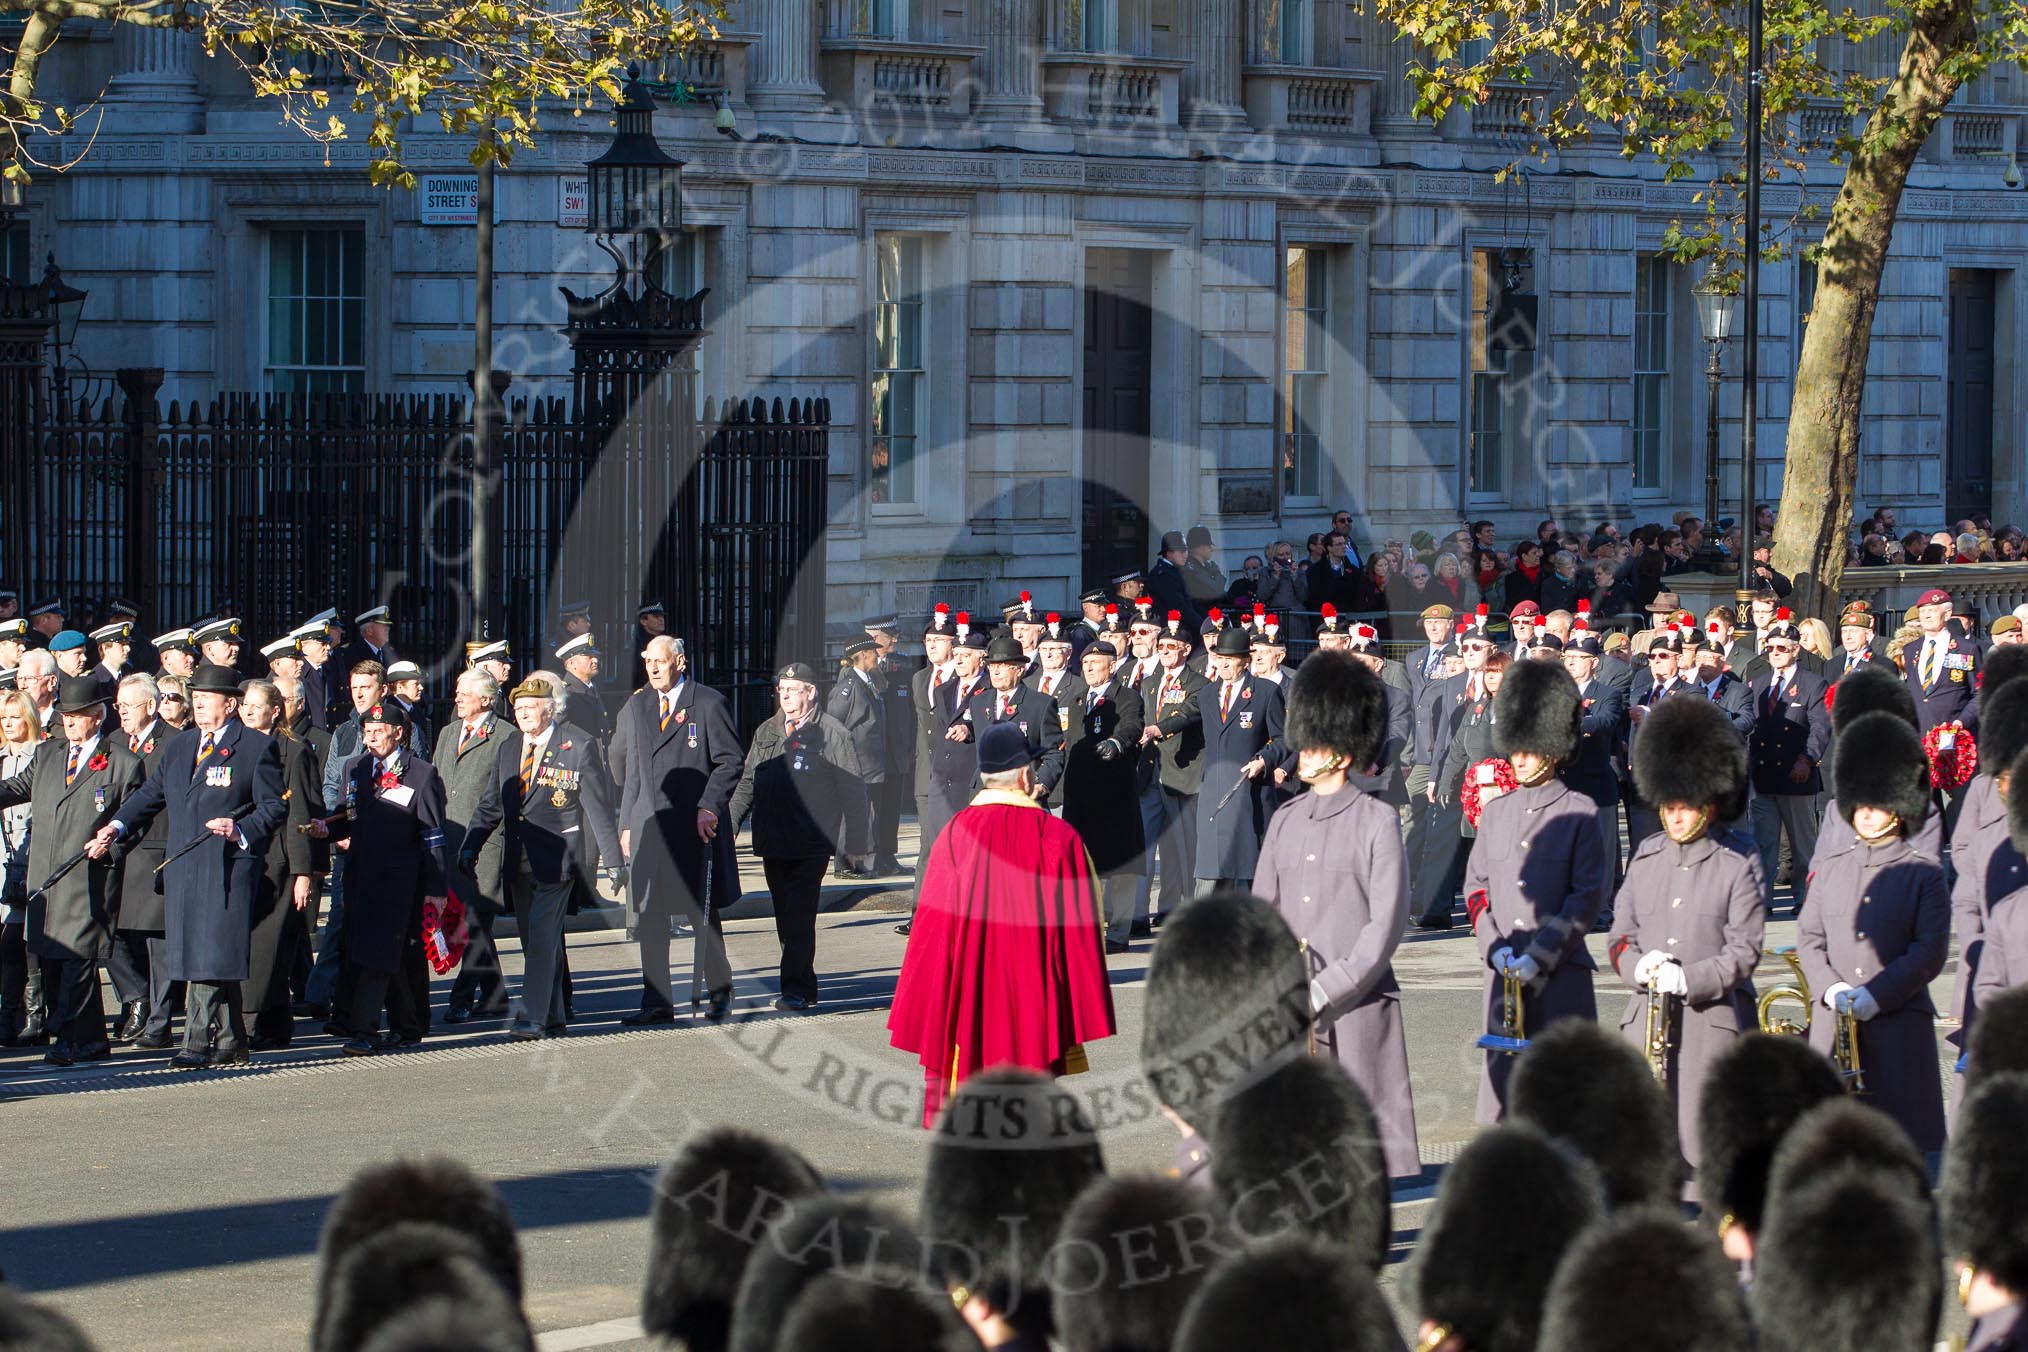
74 918
1879 917
291 854
210 892
954 765
1031 711
1169 701
663 777
1228 839
1949 696
1334 866
141 885
399 856
546 829
1099 795
858 708
1535 884
1702 905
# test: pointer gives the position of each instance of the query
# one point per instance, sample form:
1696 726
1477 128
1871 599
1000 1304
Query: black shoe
91 1051
1115 946
58 1054
231 1058
189 1060
133 1018
641 1018
1442 924
793 1004
903 927
358 1046
525 1032
720 1006
458 1014
263 1043
1140 929
153 1042
1155 920
888 868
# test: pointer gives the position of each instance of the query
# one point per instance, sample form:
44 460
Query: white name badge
401 795
1486 776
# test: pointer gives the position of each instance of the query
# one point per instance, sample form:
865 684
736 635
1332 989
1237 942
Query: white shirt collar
540 740
87 746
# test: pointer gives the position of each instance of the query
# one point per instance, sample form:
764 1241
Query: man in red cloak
1006 959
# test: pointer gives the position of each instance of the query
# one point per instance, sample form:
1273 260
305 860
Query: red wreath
1503 780
444 933
1953 769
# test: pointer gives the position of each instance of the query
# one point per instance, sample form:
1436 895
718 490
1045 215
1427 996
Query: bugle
1845 1053
1795 991
1511 1039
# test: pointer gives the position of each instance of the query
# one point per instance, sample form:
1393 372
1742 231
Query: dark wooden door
1968 427
1118 333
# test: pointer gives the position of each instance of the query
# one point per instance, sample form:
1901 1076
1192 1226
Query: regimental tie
1225 702
204 748
134 744
70 768
1932 654
527 766
465 738
668 710
1006 709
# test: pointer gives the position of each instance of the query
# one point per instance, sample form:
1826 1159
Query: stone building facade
1071 272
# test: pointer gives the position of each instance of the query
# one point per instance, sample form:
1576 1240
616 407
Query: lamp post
634 191
1717 312
66 303
1750 356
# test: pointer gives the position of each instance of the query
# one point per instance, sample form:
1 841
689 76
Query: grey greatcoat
1333 865
1228 839
212 890
1879 918
73 919
1702 904
2003 942
465 775
1988 869
1535 884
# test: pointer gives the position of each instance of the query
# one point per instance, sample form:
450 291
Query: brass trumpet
1510 1038
1845 1054
1659 1020
1796 992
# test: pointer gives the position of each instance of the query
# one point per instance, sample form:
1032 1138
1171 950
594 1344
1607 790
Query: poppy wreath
1503 781
1950 770
444 932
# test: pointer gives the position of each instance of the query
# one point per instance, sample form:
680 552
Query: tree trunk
17 105
1820 473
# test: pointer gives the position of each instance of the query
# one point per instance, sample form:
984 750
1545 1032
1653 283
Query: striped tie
464 739
1931 652
70 769
134 744
203 748
668 710
527 766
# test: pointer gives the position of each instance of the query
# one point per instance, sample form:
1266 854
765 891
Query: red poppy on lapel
1246 692
97 763
681 716
564 747
148 747
221 751
389 780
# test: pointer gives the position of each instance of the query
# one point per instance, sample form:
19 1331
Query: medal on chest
98 800
559 799
218 776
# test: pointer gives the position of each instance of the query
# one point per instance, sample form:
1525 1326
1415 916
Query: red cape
1006 958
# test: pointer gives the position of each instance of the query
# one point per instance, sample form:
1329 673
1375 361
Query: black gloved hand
468 863
1109 749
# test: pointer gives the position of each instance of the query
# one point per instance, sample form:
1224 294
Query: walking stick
703 929
236 815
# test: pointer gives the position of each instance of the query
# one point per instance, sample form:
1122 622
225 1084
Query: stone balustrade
1107 88
1309 100
862 72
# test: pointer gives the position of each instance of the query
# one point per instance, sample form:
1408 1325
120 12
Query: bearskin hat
1870 690
1756 1090
814 1236
1468 1274
1010 1153
1687 752
878 1311
396 1267
1848 1261
476 1320
2003 725
1844 1131
1293 1293
1221 964
1642 1278
1985 1176
1880 764
711 1205
441 1191
1105 1303
1588 1088
1999 1040
1336 703
1537 710
1999 668
1306 1121
2017 802
27 1325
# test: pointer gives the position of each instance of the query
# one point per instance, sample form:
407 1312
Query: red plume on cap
1584 607
1053 618
1463 624
1711 626
1479 619
1175 617
1363 632
1215 615
1260 607
1328 611
943 608
964 623
1781 614
1580 625
1024 598
1111 609
1272 624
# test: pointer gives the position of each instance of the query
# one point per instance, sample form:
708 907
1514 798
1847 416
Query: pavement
182 1211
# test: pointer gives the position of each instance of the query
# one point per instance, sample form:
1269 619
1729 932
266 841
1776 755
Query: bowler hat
79 694
1003 747
1232 643
213 679
1005 648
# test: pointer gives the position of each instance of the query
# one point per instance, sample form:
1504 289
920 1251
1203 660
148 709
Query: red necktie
1006 708
1225 703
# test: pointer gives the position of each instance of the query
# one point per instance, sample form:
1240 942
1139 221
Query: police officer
582 702
548 793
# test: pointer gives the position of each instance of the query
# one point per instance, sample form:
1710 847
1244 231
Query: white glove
1526 969
1832 994
1671 980
1644 970
1502 958
1319 1002
1862 1005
